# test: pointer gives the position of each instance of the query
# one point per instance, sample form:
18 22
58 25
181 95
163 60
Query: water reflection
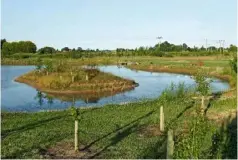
86 98
41 98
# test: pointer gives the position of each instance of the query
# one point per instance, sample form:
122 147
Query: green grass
223 105
113 131
26 134
103 60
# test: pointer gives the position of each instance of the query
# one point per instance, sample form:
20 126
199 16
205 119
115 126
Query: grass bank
223 73
121 131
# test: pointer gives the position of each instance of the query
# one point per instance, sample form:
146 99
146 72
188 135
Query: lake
17 97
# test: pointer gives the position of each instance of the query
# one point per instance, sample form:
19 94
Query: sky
111 24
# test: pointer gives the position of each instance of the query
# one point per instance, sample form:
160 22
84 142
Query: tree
79 49
202 49
233 64
76 115
47 50
165 46
18 47
39 64
6 49
203 86
65 49
2 42
49 67
212 48
185 46
30 47
232 48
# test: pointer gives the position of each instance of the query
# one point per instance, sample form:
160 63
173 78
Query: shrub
175 92
233 64
189 145
203 84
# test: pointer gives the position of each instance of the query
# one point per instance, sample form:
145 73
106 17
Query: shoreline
184 71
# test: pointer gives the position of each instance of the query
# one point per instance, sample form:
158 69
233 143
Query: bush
190 145
175 92
203 84
23 55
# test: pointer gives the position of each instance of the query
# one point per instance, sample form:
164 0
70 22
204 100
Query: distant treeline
26 49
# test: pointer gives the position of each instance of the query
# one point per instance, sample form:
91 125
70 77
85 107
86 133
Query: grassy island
62 79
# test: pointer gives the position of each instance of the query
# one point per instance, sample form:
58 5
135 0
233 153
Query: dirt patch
221 116
65 150
150 131
229 94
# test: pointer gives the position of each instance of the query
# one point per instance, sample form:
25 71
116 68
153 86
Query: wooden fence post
76 143
202 105
72 78
170 145
86 77
161 119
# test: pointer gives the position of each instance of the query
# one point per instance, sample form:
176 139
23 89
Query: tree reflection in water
41 98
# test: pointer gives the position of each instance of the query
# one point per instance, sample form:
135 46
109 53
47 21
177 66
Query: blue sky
110 24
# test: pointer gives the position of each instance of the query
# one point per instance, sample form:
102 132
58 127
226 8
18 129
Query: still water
17 97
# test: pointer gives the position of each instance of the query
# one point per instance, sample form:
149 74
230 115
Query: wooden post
202 105
72 78
76 143
61 78
86 77
161 119
170 145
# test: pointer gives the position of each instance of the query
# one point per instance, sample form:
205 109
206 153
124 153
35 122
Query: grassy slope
113 131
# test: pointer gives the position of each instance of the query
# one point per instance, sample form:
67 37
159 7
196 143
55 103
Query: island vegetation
63 79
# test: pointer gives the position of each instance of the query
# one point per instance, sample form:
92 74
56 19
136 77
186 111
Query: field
208 60
133 130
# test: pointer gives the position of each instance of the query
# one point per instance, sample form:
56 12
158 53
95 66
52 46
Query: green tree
202 83
47 50
7 49
232 48
49 67
233 63
185 46
76 115
2 42
39 65
79 49
65 49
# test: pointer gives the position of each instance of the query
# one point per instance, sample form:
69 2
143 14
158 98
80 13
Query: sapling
76 115
203 87
39 64
48 67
